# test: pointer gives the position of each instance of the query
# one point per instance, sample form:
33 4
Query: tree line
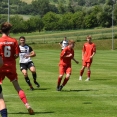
85 18
41 7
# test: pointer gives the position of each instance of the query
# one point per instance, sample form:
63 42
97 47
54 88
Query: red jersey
8 48
66 60
88 50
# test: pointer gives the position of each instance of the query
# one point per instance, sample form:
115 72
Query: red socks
59 81
88 74
65 81
81 72
22 96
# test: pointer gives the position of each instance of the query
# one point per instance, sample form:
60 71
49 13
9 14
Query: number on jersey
7 51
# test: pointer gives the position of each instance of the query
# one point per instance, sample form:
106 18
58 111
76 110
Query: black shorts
26 65
0 89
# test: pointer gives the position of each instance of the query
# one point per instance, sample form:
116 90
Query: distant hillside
27 1
51 1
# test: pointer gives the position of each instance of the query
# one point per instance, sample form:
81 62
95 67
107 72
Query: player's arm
1 61
94 52
64 55
75 60
61 43
83 52
16 56
32 53
17 50
92 55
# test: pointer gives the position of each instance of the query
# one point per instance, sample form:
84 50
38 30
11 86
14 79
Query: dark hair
5 27
22 37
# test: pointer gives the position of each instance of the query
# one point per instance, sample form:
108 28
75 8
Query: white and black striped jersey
25 50
64 43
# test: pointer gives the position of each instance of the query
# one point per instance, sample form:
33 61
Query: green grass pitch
97 98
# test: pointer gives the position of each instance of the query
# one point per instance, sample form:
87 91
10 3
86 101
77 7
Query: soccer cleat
88 79
37 84
30 111
80 78
31 88
60 88
57 88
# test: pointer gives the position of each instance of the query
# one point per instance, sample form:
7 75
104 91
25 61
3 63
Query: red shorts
64 69
87 64
9 73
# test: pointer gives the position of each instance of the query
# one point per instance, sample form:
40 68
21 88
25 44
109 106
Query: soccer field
97 98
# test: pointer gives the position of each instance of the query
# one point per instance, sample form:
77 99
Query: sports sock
4 112
65 81
88 73
34 76
81 72
59 81
28 81
22 96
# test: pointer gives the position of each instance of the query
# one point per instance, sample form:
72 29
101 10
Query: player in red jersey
9 50
65 64
88 51
3 109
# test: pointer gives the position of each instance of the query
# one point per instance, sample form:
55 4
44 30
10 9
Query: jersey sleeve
94 48
73 54
17 49
63 52
83 49
30 49
61 42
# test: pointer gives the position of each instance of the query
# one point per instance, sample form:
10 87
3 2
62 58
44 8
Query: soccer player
9 50
88 51
65 64
3 109
63 43
26 52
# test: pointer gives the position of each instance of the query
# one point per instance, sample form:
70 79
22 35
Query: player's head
22 40
65 38
89 38
71 43
5 27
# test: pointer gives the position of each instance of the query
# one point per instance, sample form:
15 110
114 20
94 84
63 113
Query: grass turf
96 98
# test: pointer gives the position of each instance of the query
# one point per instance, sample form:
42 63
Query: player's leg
23 68
34 74
67 77
3 109
65 81
59 81
61 73
22 96
88 72
81 72
27 79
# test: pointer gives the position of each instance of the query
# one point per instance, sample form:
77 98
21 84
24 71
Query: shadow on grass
39 89
78 90
101 79
87 103
34 114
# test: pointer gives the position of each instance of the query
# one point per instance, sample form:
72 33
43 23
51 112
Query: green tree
40 7
17 23
50 21
70 7
61 8
66 21
36 23
78 19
